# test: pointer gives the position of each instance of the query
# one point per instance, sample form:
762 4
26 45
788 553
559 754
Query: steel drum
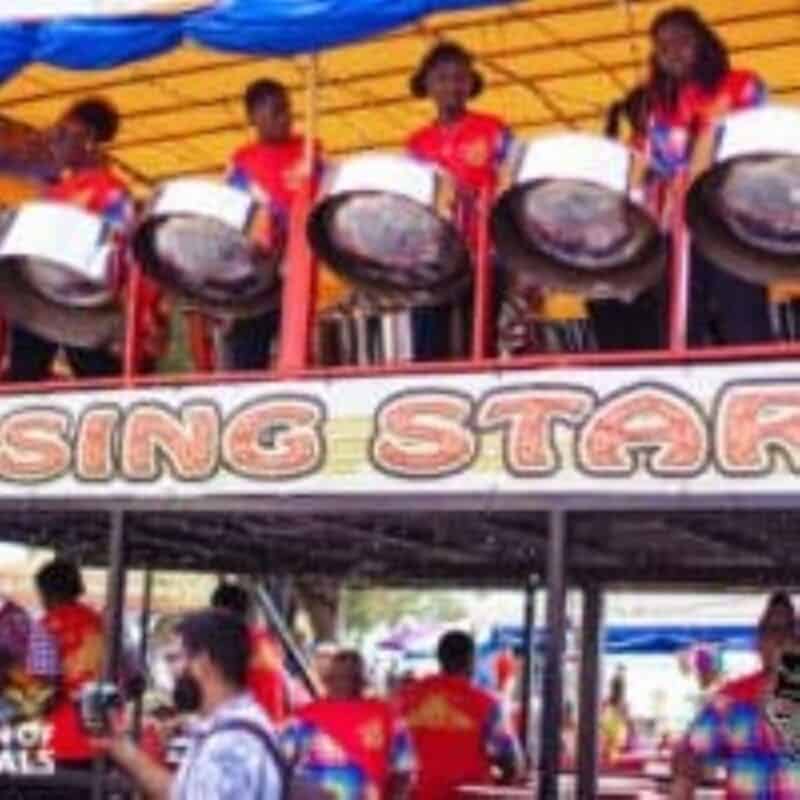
218 248
572 220
744 208
58 274
389 224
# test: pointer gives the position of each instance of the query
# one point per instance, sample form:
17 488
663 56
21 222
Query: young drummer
471 146
273 169
76 153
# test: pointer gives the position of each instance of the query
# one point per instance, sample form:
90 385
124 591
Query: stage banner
36 10
715 430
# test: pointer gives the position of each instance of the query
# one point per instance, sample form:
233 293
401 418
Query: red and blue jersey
273 172
97 190
472 149
671 132
350 748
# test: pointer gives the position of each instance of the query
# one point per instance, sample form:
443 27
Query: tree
365 608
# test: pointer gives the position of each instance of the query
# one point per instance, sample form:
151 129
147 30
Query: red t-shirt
449 719
273 170
471 149
101 192
78 633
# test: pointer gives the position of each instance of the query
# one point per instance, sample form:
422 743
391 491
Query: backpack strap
260 733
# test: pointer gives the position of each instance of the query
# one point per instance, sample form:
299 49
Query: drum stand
568 336
785 320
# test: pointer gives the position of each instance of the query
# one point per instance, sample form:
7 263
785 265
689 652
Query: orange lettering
527 417
33 445
94 444
651 423
424 435
187 441
277 439
755 424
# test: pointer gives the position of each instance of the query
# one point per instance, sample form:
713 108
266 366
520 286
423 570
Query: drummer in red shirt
471 146
77 631
76 151
459 730
272 168
691 88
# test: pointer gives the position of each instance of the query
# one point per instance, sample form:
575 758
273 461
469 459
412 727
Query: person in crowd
273 168
448 714
266 677
615 722
233 751
77 630
29 665
469 145
352 746
691 87
75 153
733 730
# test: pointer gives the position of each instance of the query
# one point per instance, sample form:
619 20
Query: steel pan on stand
217 248
743 208
59 274
389 225
572 222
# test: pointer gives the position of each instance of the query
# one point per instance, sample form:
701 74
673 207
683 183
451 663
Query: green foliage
365 608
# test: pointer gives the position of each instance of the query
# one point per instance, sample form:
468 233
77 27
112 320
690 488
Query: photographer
231 753
736 731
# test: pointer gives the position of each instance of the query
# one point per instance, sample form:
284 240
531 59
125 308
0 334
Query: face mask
187 694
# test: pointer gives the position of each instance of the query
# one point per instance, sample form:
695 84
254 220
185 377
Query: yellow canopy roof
548 64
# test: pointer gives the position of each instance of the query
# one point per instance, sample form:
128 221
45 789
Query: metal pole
279 627
553 679
113 625
529 666
147 603
589 700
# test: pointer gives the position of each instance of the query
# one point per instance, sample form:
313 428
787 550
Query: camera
97 702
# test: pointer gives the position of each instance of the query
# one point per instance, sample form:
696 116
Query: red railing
299 308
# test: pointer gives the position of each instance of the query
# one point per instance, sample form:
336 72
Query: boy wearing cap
471 146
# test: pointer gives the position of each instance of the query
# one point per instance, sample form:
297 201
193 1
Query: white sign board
671 431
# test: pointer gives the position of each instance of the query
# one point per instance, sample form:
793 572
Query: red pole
299 288
200 345
679 270
484 283
133 330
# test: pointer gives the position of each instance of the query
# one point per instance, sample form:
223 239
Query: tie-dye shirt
732 732
349 748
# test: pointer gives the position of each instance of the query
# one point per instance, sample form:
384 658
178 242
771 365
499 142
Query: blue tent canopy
646 639
268 27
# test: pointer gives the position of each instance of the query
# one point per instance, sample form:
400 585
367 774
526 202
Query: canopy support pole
529 667
298 300
589 700
553 678
278 625
113 625
144 624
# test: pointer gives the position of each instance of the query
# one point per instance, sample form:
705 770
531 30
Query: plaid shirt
732 732
28 642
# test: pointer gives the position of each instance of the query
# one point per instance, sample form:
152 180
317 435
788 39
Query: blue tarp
646 639
268 27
